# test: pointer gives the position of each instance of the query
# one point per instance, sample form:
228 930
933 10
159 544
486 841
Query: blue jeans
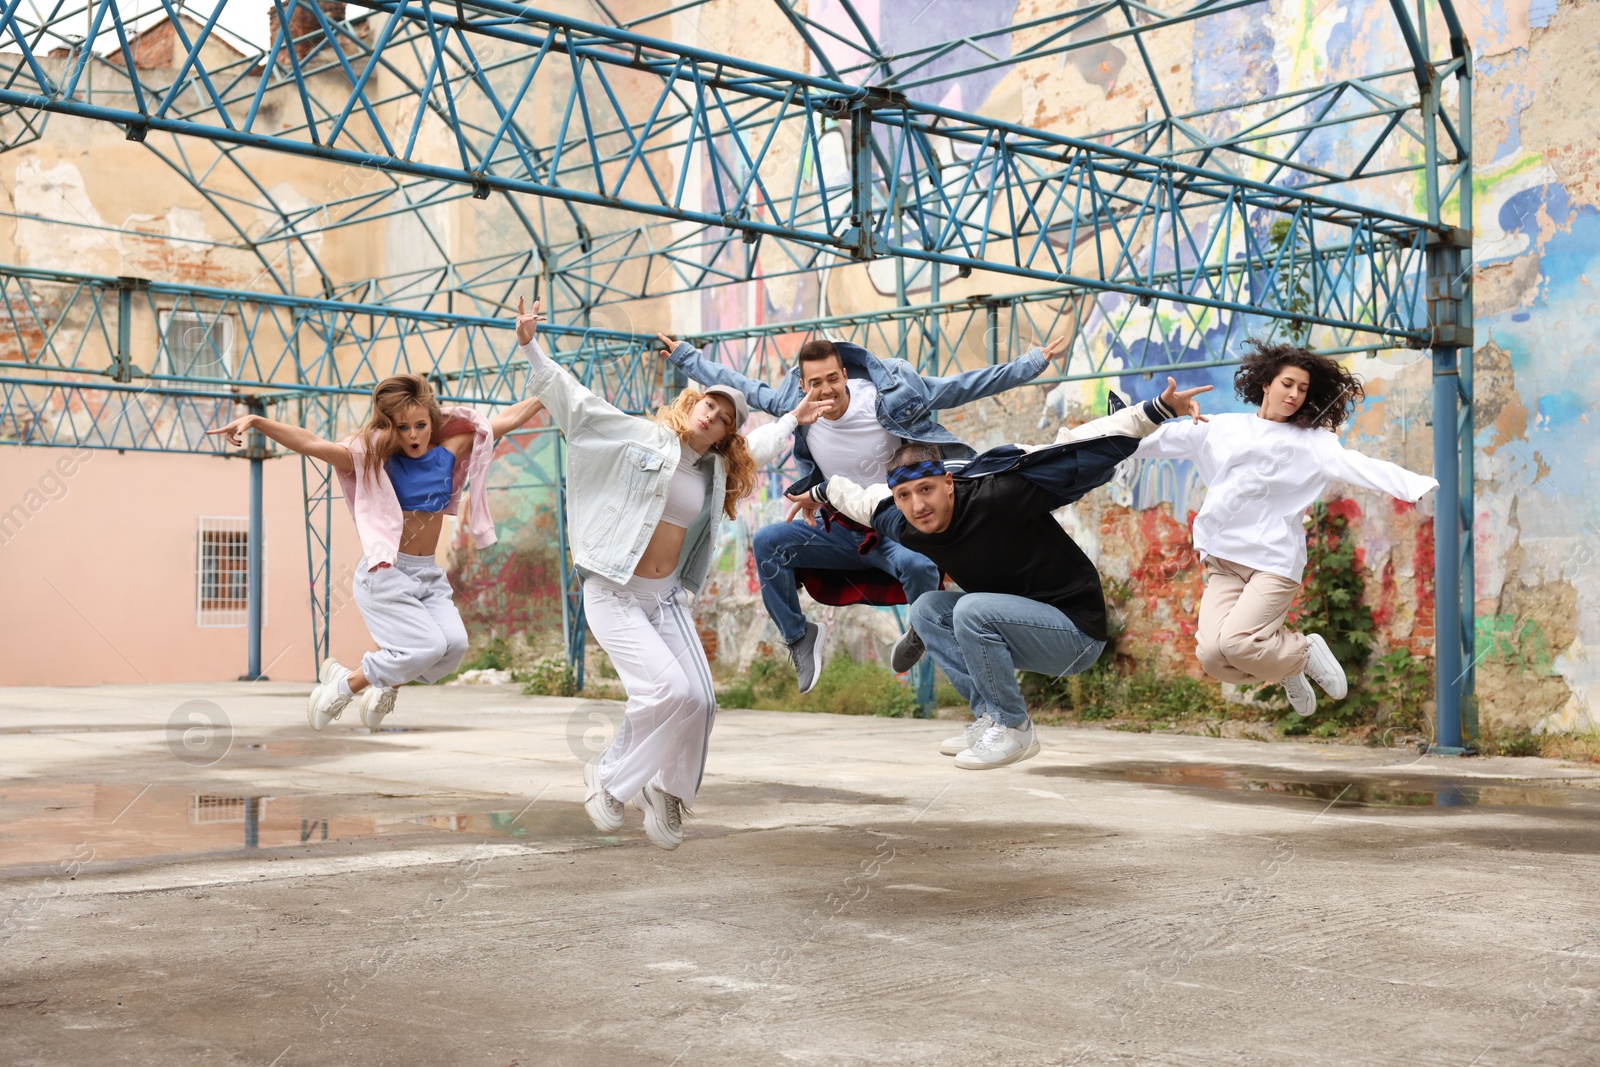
981 640
783 547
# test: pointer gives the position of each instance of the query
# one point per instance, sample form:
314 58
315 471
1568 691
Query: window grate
196 344
222 578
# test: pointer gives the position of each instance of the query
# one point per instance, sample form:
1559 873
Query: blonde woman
645 497
401 474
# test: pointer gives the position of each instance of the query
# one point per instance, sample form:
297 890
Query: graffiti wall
1536 229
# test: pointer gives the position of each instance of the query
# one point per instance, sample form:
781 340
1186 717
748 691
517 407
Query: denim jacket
906 399
618 469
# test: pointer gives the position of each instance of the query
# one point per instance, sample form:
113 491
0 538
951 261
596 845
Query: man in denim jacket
875 405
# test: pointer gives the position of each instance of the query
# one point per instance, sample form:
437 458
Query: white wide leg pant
666 726
410 611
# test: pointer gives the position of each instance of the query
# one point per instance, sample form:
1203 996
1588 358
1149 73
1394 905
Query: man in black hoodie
1030 599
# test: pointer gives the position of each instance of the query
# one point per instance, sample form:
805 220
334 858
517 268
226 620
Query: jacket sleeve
570 404
1066 475
1356 468
689 359
1180 440
766 443
969 385
1140 421
851 500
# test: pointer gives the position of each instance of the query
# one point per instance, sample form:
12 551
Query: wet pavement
188 874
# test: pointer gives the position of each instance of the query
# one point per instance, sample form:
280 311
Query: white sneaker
605 810
374 703
663 817
1000 746
1302 698
954 746
1323 669
326 702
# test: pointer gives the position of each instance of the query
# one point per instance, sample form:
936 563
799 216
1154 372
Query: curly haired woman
1262 471
645 498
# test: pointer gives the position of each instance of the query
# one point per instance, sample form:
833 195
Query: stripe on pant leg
691 637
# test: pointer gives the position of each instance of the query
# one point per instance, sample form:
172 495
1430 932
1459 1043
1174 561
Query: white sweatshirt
1261 476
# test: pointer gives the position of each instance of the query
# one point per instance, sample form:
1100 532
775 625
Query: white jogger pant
410 614
666 724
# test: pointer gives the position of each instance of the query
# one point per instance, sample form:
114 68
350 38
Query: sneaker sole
900 666
1027 753
946 750
816 658
311 707
601 821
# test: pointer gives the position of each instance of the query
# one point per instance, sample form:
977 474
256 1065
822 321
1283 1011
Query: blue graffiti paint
1558 411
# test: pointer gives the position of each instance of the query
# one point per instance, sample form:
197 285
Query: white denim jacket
619 467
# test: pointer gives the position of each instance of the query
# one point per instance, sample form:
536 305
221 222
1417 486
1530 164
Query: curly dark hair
1333 394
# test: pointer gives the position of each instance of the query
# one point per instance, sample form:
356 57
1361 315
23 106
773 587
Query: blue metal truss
1191 225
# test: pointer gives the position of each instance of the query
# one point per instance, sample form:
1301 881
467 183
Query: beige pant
1240 637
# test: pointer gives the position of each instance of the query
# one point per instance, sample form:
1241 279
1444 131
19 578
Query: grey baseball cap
741 406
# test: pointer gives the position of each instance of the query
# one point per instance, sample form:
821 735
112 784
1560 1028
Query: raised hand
1183 402
234 430
1058 346
667 345
801 505
810 409
527 322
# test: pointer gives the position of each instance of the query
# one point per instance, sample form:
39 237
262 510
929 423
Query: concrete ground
189 875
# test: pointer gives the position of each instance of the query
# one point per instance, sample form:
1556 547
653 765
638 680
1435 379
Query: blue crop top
425 483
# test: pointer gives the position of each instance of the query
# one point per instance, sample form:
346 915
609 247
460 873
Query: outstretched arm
295 438
570 403
970 385
689 359
1357 468
515 416
1166 412
767 443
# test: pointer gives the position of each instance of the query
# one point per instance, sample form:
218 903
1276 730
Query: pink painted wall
98 583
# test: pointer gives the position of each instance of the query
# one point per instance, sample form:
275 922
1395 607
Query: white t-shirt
1261 476
854 445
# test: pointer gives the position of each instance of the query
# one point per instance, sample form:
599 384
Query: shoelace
674 812
991 737
981 726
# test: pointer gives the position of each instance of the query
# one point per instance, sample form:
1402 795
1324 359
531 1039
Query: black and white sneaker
806 655
907 651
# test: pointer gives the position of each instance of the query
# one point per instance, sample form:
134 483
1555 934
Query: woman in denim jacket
645 496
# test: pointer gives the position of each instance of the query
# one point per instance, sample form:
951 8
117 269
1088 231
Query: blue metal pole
1446 555
253 549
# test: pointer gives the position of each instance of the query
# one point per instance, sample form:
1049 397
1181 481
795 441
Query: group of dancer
885 493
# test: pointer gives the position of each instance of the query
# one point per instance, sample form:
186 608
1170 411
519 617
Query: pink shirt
376 508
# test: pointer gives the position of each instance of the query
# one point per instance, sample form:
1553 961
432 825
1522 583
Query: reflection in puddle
46 821
1338 792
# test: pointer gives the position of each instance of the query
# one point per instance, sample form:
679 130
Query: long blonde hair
741 468
389 398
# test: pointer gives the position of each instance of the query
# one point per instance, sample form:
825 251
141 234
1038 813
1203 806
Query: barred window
196 343
222 585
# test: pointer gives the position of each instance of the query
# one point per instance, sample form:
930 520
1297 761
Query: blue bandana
931 468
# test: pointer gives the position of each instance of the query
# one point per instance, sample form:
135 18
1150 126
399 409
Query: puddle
44 823
1273 784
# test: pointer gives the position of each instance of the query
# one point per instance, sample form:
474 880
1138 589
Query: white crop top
686 494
